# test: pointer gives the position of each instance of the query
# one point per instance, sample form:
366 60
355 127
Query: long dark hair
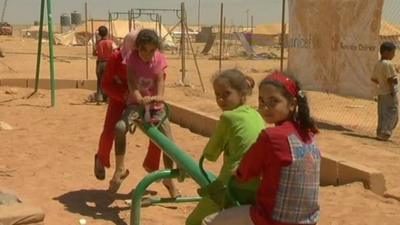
303 115
147 36
237 80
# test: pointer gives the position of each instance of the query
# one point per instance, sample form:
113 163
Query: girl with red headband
285 156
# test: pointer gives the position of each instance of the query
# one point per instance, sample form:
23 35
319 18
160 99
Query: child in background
237 129
103 51
385 77
146 68
115 87
285 157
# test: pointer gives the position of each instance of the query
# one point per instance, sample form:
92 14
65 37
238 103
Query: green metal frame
51 49
187 166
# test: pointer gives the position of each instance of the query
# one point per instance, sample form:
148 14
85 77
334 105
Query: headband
289 84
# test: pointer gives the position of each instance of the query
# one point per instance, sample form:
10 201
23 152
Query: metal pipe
140 189
51 51
283 33
153 201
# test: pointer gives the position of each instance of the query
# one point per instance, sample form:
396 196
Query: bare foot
172 190
116 181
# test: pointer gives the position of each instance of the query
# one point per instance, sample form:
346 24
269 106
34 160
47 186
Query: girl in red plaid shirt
285 156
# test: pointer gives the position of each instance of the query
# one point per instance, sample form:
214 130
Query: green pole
184 160
141 189
39 51
51 51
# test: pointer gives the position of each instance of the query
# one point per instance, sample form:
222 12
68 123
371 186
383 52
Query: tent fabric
119 28
79 36
270 29
334 44
388 29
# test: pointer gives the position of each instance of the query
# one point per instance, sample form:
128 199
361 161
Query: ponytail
303 115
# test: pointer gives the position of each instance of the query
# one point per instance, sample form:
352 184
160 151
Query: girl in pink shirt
146 67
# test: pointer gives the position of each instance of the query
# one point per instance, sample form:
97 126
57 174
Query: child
237 129
115 86
103 51
146 68
285 157
384 75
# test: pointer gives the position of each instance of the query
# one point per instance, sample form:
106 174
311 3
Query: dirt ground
47 159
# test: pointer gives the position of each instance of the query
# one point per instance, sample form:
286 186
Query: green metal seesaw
186 164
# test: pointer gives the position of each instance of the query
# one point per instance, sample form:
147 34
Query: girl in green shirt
237 129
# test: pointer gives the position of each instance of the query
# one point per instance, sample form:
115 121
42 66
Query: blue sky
264 11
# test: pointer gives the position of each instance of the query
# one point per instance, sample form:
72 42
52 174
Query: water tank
65 20
76 18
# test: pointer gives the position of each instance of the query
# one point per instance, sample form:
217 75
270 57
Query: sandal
116 184
173 192
99 170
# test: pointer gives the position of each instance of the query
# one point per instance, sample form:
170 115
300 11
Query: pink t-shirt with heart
146 74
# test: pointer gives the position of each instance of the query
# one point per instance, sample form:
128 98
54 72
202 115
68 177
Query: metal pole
129 20
198 16
51 51
133 19
160 24
93 34
183 60
39 51
283 33
220 36
195 59
251 32
110 24
86 42
247 19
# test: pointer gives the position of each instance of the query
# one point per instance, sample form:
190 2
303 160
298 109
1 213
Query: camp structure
79 36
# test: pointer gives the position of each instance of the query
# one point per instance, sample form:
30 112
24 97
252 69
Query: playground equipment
51 50
187 167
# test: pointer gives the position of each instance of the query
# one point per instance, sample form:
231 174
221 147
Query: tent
389 32
79 36
268 34
119 28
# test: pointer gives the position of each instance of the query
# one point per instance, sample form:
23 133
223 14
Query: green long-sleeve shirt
236 131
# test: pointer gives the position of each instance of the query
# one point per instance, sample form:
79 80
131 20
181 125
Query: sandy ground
48 157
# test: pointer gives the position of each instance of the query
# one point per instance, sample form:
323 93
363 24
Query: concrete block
87 84
329 170
372 179
23 83
333 170
60 84
195 121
